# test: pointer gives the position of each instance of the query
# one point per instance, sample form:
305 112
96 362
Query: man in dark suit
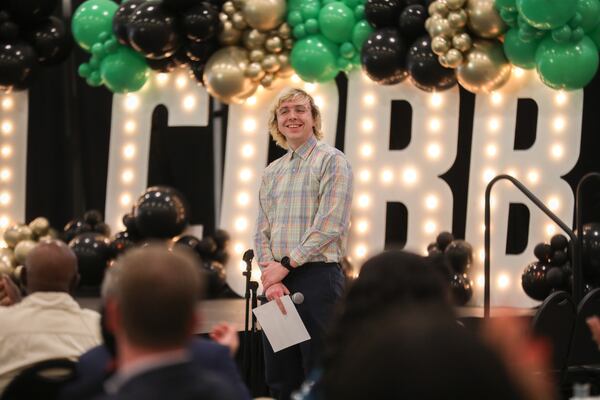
153 317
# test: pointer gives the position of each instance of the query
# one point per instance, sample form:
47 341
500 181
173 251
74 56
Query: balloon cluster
117 67
552 270
459 255
560 39
29 37
400 47
330 35
20 239
257 52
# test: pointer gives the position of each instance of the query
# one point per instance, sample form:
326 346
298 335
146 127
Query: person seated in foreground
153 317
47 323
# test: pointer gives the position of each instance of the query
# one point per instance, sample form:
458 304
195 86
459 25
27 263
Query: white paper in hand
282 331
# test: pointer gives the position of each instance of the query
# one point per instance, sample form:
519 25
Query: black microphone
248 255
297 298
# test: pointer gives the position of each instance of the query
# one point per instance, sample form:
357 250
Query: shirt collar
304 150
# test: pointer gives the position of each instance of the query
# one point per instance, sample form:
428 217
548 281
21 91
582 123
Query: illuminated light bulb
494 124
130 126
434 150
550 229
6 151
488 175
5 174
310 87
559 124
243 199
129 151
387 176
360 251
533 176
362 226
369 100
431 202
296 78
189 102
4 221
409 175
319 102
181 81
162 79
245 175
238 248
367 125
482 228
250 101
503 281
480 280
364 200
127 176
560 98
4 198
496 98
518 72
247 151
7 127
491 150
553 203
366 150
436 100
132 102
557 151
364 175
434 124
125 199
430 227
482 255
249 125
8 103
241 224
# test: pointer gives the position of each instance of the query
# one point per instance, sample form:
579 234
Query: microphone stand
247 257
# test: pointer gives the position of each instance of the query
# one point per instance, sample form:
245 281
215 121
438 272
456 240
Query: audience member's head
156 295
51 266
416 352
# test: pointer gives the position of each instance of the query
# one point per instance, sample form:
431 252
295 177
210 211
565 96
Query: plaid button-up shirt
305 199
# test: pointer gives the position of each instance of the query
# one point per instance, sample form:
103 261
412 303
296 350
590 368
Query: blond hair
292 95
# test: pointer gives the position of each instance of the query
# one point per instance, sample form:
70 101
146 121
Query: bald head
51 266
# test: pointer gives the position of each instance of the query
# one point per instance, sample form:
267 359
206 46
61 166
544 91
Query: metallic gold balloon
455 4
224 75
257 55
284 31
18 273
229 35
223 17
484 20
238 21
238 4
485 67
438 7
443 61
454 58
228 8
12 236
254 71
264 15
267 80
5 269
285 70
274 44
462 42
23 248
457 19
270 63
7 256
253 39
441 27
39 226
440 45
288 43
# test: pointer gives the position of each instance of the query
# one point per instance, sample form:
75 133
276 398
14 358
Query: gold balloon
39 226
289 43
440 45
238 4
229 35
264 15
224 75
7 256
23 248
228 8
484 20
270 63
462 42
443 61
485 68
441 27
267 80
455 4
285 70
284 31
238 21
438 7
274 44
454 58
5 269
12 236
257 55
254 71
223 17
253 39
457 19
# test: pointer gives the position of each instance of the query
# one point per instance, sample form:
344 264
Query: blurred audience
47 323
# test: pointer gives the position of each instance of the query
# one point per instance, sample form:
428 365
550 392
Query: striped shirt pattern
305 198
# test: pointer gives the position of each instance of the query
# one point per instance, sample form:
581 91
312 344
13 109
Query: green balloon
354 3
566 65
294 18
111 45
359 12
124 70
510 5
590 14
310 10
519 52
595 36
547 14
312 26
336 21
360 33
84 70
314 59
92 19
299 31
94 79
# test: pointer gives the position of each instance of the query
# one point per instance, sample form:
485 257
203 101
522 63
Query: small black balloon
556 278
383 13
152 30
443 240
534 281
221 237
412 21
122 17
129 223
424 69
74 228
121 242
383 57
200 51
197 70
163 65
102 228
161 212
542 251
215 278
201 22
9 29
92 217
179 5
461 288
30 12
51 41
207 248
460 255
558 258
93 253
559 242
190 242
18 64
590 255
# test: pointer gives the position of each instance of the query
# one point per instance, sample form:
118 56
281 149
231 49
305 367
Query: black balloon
121 242
207 248
461 289
102 228
51 41
201 22
18 64
221 237
383 13
412 21
443 239
92 217
200 51
534 281
559 242
556 278
122 17
424 69
188 241
542 251
383 57
30 12
160 212
460 255
93 253
129 223
179 5
74 228
590 246
221 256
9 30
215 278
152 30
197 70
559 258
163 65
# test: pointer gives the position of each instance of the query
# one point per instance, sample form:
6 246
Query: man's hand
226 335
274 292
9 292
272 273
594 324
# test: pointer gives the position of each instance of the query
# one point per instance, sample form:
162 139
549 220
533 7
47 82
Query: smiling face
295 121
